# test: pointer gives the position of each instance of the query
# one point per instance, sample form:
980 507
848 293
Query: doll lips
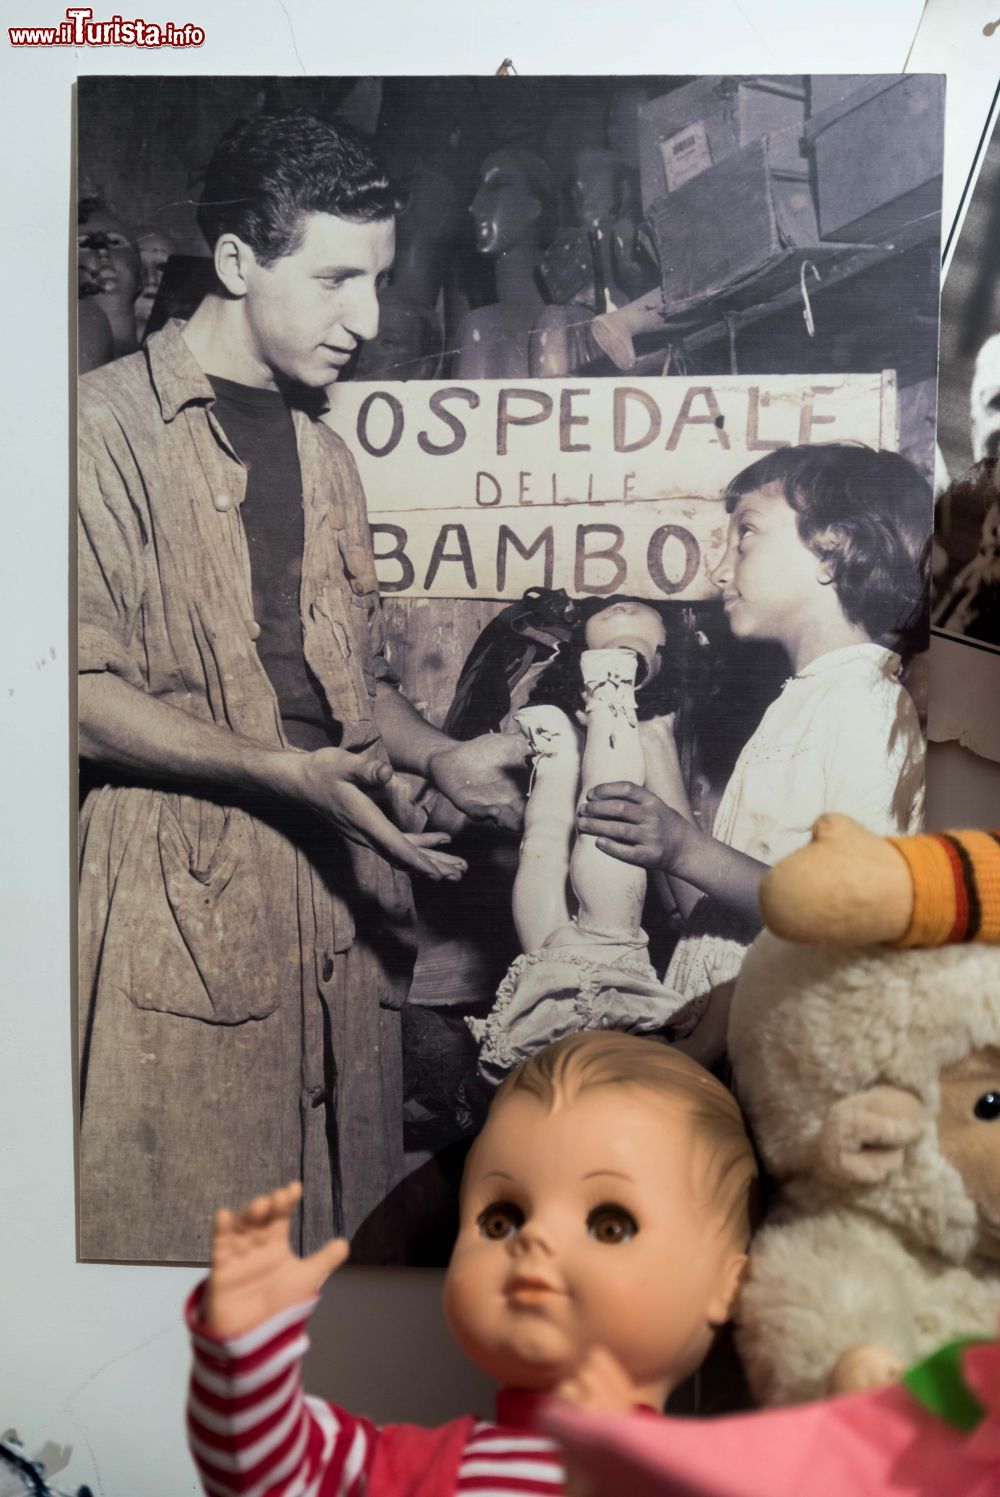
529 1291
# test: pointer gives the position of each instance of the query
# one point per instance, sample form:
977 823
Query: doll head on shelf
606 1203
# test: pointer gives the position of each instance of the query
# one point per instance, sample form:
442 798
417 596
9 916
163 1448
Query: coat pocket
188 940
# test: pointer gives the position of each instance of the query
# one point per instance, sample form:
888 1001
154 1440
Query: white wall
92 1356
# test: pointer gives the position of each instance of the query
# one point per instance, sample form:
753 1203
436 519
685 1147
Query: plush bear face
969 1135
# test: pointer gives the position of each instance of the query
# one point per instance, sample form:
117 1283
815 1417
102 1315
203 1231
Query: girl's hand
633 825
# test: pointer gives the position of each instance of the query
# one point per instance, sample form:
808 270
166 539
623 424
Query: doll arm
250 1425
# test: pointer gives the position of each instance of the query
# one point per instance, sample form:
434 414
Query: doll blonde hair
607 1058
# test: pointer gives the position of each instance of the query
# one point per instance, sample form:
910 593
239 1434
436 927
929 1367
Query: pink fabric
880 1444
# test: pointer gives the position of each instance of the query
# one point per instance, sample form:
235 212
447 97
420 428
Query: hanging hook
807 311
506 69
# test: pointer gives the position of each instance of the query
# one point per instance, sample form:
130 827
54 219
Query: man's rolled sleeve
112 543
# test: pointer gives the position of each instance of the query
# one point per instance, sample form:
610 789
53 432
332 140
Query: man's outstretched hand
255 1274
338 784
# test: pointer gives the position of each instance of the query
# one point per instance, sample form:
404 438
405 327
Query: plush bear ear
863 1136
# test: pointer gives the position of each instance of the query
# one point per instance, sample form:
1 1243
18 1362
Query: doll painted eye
612 1225
987 1107
500 1220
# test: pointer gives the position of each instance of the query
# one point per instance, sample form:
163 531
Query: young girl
826 556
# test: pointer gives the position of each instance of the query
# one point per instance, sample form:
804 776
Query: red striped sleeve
499 1460
253 1432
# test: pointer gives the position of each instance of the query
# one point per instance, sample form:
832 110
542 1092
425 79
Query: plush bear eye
987 1107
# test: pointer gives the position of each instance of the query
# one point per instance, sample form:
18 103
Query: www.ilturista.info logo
80 30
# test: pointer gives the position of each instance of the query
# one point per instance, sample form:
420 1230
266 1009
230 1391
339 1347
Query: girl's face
771 582
632 626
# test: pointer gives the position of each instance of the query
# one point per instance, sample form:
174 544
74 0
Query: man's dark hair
268 173
868 515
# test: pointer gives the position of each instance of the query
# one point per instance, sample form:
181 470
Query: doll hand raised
255 1273
862 1368
634 825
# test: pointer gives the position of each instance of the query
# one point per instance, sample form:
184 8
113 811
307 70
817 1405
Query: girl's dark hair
868 515
560 684
266 174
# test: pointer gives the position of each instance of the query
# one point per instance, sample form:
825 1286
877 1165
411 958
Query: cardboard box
731 221
685 133
878 156
826 89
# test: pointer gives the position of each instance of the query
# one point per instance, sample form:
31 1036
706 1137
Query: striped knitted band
956 887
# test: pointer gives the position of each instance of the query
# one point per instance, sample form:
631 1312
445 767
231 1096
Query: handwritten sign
482 489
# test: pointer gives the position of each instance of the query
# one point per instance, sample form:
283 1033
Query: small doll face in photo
583 1225
769 578
969 1135
630 625
155 249
108 258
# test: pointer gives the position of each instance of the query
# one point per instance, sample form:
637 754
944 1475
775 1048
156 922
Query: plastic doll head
632 625
155 249
107 256
595 186
606 1203
651 629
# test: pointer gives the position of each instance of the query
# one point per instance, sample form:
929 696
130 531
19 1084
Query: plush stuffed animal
871 1077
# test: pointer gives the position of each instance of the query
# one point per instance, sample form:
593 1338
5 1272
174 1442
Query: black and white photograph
967 559
506 510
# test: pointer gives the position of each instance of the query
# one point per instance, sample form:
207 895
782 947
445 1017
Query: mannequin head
107 255
595 185
985 401
606 1203
407 346
515 202
155 249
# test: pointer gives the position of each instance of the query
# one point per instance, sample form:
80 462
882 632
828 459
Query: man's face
584 1226
768 576
308 311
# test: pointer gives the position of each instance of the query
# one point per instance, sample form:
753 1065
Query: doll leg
610 892
540 904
